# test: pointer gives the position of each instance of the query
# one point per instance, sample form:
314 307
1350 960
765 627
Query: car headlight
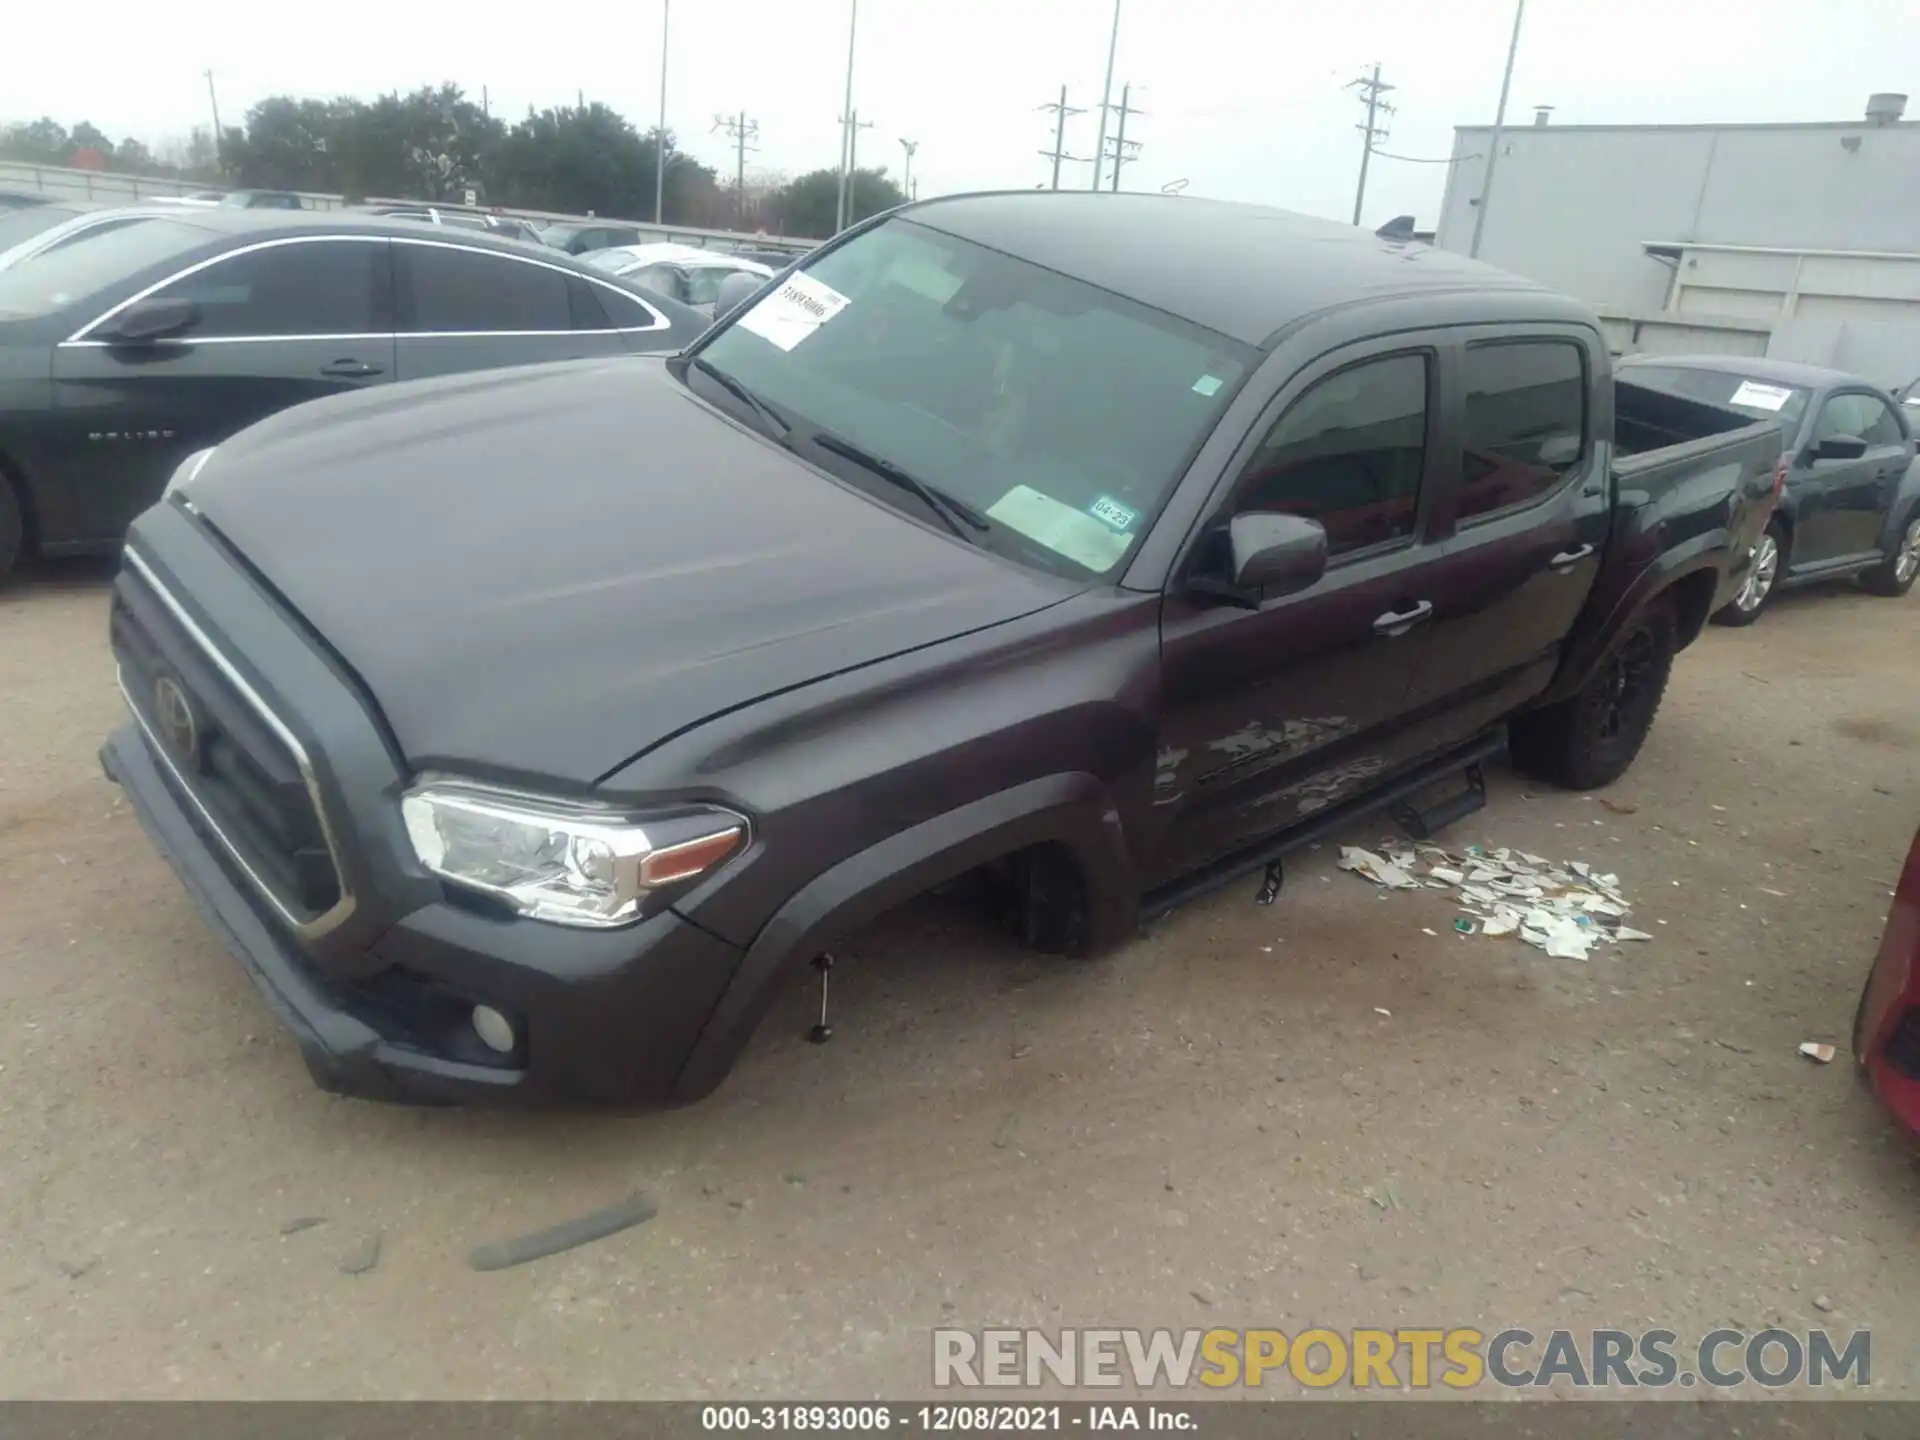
557 860
185 471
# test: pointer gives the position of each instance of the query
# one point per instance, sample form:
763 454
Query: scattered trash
1815 1051
627 1213
1020 1052
1822 1303
1382 1010
1425 931
1564 910
1003 1136
1619 807
1777 894
363 1257
302 1222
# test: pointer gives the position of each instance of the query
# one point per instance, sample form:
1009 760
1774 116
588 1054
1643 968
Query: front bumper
608 1017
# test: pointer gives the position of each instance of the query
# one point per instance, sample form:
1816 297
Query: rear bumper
1887 1030
606 1017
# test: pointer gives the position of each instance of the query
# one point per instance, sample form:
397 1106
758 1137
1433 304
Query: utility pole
660 135
842 206
485 109
1499 130
580 99
906 176
1121 153
1061 110
214 101
1371 88
854 125
740 130
1106 96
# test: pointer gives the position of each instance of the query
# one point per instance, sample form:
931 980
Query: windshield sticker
1120 517
1208 385
1761 397
793 312
1061 528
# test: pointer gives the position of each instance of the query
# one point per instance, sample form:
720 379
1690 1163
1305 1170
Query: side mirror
1840 447
1276 554
734 292
149 320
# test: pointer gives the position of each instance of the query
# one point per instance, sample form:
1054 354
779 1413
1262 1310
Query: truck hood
546 571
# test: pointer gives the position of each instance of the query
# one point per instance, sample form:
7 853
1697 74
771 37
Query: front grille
1903 1045
226 754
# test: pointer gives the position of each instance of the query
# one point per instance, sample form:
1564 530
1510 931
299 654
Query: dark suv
522 733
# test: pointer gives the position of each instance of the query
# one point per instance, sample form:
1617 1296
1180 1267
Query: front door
281 323
1845 501
1273 713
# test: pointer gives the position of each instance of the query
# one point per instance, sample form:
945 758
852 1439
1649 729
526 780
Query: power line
1370 88
1061 110
1123 149
740 130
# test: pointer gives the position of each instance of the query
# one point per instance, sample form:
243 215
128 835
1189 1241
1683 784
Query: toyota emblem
173 712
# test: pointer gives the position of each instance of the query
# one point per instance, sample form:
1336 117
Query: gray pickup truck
522 733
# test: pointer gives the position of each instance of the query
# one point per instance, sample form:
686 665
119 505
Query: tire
1894 575
1763 580
1590 738
13 529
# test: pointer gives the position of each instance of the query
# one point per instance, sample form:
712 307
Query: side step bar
1394 796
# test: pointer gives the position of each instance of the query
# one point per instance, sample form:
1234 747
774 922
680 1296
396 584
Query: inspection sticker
1061 528
793 312
1208 385
1761 397
1120 517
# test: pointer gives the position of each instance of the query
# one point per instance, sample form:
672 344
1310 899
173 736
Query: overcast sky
1243 99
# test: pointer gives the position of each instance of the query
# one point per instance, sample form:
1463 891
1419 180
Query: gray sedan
1850 504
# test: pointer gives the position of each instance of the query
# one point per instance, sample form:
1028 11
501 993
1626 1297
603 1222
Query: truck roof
1753 367
1245 271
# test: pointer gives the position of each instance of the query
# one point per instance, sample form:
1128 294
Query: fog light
494 1029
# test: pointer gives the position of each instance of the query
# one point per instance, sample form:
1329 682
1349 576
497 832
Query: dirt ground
1215 1126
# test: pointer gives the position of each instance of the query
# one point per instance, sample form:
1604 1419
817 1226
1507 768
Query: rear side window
1526 422
315 287
471 292
1348 453
625 311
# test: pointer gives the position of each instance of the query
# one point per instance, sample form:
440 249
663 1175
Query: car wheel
13 528
1590 738
1895 574
1763 579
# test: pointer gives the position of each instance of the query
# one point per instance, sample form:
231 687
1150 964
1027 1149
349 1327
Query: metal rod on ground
1499 130
846 123
660 135
1106 96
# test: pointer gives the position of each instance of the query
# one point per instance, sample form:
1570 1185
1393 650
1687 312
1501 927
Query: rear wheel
1763 578
13 528
1896 573
1590 738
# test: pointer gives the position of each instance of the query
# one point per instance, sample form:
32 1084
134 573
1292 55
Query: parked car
504 226
1111 545
1851 503
21 199
123 351
680 272
1886 1027
578 237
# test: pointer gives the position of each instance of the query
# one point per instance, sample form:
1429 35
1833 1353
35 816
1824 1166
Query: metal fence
102 187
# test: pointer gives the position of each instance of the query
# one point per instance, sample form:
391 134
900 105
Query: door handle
1567 559
351 370
1398 622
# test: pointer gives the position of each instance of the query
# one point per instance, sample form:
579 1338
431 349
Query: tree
40 142
88 136
130 157
805 207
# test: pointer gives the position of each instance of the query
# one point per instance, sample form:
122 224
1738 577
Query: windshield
1762 399
1061 412
49 281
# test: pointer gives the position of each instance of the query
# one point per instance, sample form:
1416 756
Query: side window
317 287
1348 453
626 312
1885 429
1526 422
660 279
1860 416
466 292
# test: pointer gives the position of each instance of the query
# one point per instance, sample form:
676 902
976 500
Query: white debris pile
1564 910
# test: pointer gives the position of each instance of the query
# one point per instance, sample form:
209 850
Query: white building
1796 241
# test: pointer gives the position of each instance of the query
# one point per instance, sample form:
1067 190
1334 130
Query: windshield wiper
951 511
780 428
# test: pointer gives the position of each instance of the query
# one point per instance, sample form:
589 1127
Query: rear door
1271 714
1520 539
1851 497
465 308
282 321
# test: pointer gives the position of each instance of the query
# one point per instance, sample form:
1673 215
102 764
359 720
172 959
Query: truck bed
1652 428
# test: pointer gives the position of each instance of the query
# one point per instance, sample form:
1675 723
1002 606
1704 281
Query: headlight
573 864
188 468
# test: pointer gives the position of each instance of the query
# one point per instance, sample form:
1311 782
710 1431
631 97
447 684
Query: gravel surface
1214 1126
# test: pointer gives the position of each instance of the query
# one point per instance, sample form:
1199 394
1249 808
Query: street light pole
214 101
1499 130
846 123
1106 96
660 135
906 178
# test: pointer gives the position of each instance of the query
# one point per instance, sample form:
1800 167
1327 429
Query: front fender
1905 499
1072 809
1694 571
